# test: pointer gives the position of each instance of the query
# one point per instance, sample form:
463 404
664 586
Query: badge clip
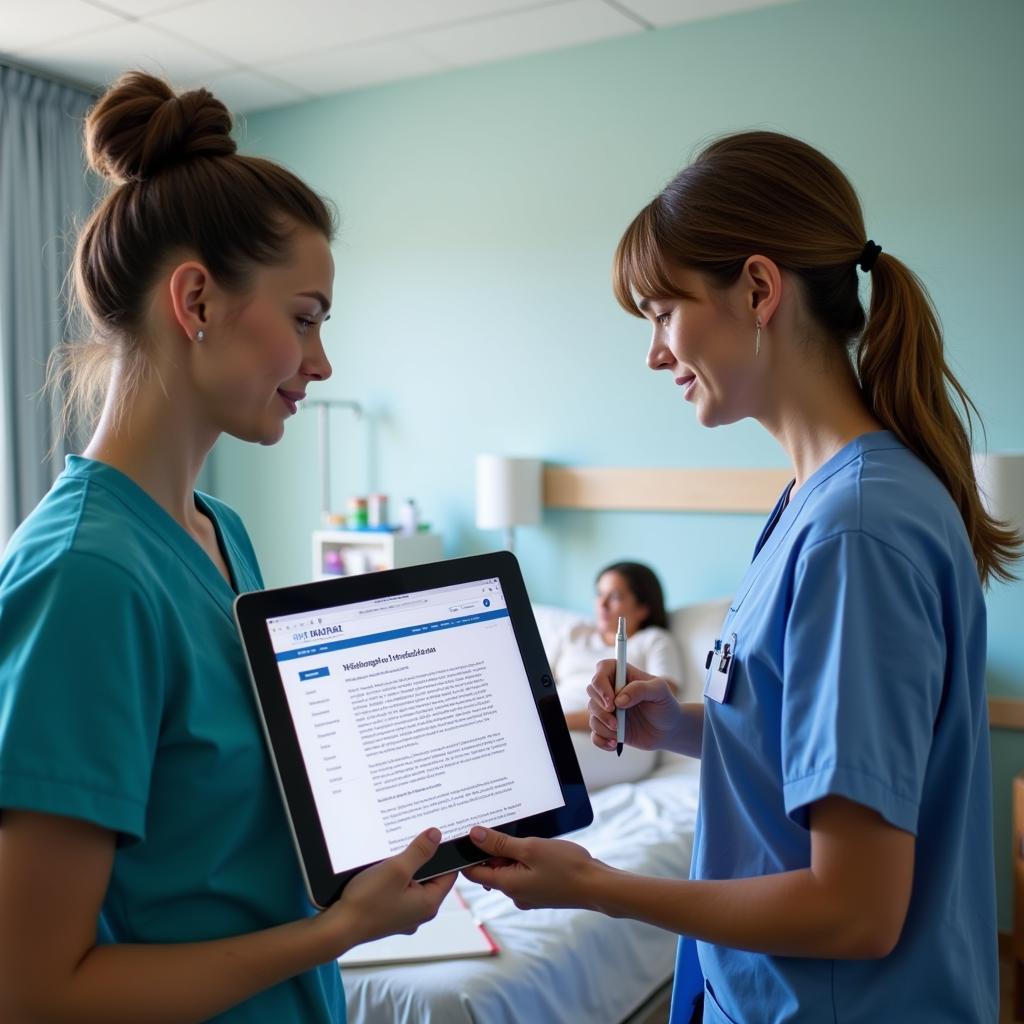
719 665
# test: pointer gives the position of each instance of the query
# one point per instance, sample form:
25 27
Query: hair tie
869 254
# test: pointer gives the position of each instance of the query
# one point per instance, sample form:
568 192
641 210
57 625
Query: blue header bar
392 634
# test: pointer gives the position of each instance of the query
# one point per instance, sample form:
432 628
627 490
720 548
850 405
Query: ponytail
910 388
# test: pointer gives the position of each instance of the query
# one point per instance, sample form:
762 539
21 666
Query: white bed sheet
555 966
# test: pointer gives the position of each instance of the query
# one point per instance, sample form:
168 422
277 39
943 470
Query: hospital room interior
488 391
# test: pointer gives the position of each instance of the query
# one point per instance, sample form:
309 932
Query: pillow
695 628
552 620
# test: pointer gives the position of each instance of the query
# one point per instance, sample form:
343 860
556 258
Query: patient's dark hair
644 586
179 189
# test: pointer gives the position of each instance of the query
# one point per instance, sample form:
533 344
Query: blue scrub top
860 671
125 701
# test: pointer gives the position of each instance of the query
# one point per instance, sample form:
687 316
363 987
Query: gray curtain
44 194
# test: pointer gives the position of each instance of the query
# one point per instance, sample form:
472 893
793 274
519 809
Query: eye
304 324
662 319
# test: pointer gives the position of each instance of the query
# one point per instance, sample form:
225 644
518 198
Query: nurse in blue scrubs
843 861
146 868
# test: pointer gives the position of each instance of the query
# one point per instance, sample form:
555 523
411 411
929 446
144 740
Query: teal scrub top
125 701
859 671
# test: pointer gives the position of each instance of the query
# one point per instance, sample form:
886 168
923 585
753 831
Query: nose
316 365
659 355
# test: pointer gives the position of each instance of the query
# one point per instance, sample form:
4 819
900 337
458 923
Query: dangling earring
200 335
757 337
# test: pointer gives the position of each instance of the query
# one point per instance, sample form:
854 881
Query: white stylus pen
620 682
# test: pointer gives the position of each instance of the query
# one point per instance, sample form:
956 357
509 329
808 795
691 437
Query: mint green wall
473 313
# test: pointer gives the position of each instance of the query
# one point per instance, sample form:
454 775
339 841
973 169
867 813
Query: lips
688 381
291 398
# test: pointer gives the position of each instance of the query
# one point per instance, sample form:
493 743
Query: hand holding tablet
385 900
401 700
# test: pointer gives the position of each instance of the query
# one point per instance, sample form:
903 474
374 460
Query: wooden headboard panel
698 490
1006 713
664 490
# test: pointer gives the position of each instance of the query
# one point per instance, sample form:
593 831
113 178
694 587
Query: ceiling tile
351 67
101 56
244 91
674 12
371 19
533 31
141 9
28 24
317 25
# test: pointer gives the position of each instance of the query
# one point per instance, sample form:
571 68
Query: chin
271 437
262 433
712 417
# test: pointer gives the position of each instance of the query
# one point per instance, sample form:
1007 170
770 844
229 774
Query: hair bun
141 126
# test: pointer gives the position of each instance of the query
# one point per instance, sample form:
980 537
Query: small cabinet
350 552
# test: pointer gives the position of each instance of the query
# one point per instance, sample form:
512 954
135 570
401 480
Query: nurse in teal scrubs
146 867
843 863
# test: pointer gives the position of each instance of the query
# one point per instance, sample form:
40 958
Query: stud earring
757 337
200 335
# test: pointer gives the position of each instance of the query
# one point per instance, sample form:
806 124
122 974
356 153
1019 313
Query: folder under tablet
400 700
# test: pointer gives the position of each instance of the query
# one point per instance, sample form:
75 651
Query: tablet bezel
252 610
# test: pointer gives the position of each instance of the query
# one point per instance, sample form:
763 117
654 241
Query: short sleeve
663 658
81 693
863 674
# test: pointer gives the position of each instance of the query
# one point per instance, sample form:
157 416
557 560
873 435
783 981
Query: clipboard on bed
452 934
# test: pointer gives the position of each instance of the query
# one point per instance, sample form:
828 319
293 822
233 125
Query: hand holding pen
655 717
620 682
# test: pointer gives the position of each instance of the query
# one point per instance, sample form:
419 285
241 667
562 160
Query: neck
155 441
814 413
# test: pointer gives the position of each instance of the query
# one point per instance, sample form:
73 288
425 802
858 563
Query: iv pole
323 407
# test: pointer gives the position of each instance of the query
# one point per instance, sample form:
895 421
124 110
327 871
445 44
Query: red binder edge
483 928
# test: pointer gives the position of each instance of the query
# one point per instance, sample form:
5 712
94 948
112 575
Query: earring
757 337
200 335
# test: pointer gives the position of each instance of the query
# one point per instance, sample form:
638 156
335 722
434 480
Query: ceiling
262 53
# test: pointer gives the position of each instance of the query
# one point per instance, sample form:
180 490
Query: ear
189 286
762 281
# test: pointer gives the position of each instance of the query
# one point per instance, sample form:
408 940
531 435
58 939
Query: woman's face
705 339
266 347
614 598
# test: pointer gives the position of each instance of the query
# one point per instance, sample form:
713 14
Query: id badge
719 665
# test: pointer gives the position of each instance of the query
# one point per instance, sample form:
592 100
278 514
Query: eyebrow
325 305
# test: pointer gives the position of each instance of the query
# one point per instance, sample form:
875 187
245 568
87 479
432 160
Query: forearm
787 914
578 721
687 738
174 983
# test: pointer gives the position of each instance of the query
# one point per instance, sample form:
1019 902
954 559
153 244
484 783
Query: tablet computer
400 700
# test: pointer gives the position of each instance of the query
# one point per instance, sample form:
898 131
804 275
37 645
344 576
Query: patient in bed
633 591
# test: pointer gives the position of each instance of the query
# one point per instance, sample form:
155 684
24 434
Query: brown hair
178 186
645 587
766 193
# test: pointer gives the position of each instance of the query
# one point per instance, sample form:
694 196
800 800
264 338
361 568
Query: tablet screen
411 711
